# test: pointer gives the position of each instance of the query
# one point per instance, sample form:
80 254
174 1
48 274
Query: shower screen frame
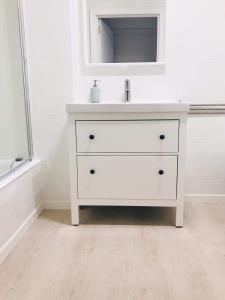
25 80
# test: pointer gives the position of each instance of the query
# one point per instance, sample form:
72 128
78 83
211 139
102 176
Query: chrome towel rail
206 109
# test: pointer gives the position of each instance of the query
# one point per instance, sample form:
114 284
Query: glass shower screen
13 120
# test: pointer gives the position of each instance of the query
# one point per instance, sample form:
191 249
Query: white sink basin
155 107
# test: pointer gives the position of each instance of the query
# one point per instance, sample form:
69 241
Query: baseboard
188 197
205 198
56 205
15 238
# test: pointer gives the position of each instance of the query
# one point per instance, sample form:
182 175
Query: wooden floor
120 253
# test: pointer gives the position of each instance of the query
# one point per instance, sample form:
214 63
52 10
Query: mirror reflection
127 40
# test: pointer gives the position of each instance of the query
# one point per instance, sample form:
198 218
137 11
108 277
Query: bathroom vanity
127 155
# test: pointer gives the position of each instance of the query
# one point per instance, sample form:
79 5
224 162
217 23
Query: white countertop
154 107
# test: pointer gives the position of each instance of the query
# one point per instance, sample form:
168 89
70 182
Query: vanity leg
75 215
180 215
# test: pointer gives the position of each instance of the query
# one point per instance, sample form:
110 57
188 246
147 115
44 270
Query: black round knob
161 172
162 137
92 172
91 137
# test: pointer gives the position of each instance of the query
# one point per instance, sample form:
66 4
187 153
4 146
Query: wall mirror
124 33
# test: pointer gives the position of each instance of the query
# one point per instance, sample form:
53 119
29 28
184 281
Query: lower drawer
127 177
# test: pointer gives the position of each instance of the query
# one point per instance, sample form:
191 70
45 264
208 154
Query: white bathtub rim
7 163
18 172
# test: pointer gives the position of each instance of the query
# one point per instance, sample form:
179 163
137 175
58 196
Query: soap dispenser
95 96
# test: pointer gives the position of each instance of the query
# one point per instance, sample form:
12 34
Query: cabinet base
179 209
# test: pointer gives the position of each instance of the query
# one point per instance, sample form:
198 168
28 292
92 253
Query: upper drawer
127 136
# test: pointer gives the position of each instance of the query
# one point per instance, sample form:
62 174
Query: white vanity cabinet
127 155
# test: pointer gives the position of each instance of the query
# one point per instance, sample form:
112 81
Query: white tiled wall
49 54
195 57
195 72
206 155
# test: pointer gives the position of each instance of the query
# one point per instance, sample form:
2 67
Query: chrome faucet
127 90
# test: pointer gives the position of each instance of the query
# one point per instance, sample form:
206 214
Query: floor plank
120 253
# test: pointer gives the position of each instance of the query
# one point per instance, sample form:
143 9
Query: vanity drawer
127 136
127 177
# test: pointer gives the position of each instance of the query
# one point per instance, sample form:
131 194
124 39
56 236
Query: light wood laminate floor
119 254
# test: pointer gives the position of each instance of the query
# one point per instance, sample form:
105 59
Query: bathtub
5 166
19 202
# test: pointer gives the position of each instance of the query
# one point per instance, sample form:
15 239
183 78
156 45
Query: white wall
194 52
205 167
195 72
51 87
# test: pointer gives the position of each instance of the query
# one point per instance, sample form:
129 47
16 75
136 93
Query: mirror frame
122 68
